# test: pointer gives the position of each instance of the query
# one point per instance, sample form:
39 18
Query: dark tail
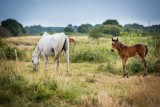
146 50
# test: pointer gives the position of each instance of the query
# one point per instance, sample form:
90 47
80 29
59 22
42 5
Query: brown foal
129 51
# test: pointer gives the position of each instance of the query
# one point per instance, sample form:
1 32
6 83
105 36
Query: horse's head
114 44
35 62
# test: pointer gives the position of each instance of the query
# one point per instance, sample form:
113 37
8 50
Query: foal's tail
146 50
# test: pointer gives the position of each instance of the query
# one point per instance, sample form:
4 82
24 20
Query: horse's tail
59 48
146 50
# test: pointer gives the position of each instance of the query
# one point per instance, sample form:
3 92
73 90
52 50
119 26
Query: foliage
96 32
133 28
68 29
38 29
111 22
135 65
84 28
87 53
13 26
42 90
4 32
112 29
126 34
8 52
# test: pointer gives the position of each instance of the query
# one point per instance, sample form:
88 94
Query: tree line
110 27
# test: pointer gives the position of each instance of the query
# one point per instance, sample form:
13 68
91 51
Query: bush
90 54
96 32
157 66
43 90
135 65
9 53
112 29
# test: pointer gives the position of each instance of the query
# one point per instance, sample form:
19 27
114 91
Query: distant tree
4 32
112 30
13 26
111 22
68 29
84 28
70 26
96 32
133 28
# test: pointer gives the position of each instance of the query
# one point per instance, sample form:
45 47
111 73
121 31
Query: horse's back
48 43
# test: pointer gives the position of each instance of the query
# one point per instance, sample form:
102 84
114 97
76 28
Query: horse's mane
36 51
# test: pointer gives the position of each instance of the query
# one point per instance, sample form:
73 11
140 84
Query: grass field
86 85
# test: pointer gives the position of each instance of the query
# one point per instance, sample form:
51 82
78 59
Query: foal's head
114 44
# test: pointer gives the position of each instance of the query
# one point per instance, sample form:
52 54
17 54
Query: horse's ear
117 39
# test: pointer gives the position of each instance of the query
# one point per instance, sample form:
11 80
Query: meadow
94 80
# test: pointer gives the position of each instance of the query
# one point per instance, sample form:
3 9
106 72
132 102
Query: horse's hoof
145 74
125 74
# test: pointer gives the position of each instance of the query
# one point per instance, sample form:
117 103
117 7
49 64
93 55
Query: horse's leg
124 60
45 61
145 66
57 68
67 59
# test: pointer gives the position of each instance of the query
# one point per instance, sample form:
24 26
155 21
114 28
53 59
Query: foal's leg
124 60
145 67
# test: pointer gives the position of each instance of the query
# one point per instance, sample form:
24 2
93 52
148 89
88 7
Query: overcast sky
77 12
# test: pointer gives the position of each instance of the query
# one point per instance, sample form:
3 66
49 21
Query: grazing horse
72 40
51 45
129 51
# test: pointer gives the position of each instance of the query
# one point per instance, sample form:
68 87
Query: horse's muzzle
112 50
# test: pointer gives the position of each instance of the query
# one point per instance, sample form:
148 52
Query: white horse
51 45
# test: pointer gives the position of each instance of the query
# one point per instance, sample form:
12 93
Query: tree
96 32
13 26
68 29
84 28
112 29
4 32
111 22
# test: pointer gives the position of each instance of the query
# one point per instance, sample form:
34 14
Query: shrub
112 29
135 65
96 32
9 53
43 90
90 54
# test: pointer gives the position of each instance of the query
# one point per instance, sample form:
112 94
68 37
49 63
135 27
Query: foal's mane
121 45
